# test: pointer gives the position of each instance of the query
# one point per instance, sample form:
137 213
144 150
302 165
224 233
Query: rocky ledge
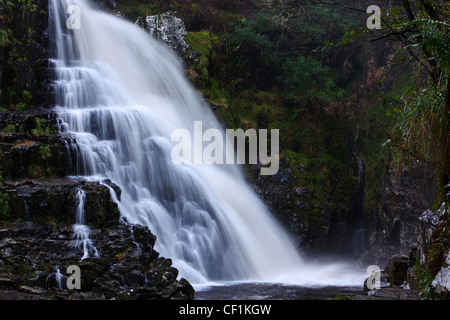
35 259
40 242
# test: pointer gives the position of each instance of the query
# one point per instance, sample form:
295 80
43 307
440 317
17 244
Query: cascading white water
121 94
81 230
56 279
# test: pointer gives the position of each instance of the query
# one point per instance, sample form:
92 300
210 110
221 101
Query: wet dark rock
397 269
384 294
53 200
395 227
126 268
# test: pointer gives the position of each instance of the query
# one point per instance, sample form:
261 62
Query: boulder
168 28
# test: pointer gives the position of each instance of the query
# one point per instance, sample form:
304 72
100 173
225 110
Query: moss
42 169
44 153
36 171
40 128
121 255
200 52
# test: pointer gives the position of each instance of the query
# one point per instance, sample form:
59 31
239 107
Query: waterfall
56 279
82 231
120 94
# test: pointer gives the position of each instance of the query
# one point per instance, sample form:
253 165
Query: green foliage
45 153
420 30
197 15
201 46
4 37
256 36
424 124
432 36
307 76
30 4
252 46
40 128
424 279
271 50
42 168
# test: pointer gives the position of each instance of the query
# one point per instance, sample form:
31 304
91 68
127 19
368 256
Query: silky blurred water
119 95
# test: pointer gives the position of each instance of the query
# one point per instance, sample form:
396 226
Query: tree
421 29
275 48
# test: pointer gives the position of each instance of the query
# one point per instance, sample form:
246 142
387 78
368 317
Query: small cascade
27 212
82 231
56 280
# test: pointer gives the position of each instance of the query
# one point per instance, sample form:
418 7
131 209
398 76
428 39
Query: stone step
36 121
53 201
35 156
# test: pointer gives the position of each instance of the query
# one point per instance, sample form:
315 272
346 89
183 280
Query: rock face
167 27
426 270
441 283
433 250
53 201
394 229
35 258
38 238
397 269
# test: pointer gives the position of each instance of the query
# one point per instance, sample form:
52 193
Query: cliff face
393 227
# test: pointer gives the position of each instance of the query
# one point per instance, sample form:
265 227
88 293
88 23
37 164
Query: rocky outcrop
35 258
425 272
394 228
168 28
38 242
440 286
30 145
433 250
275 191
53 201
